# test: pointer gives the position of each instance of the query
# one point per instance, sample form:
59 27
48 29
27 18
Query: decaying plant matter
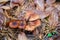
21 18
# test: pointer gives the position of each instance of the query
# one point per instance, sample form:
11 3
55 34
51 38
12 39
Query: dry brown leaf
53 19
42 14
3 1
22 37
49 9
2 18
40 36
5 7
50 2
9 38
57 6
40 3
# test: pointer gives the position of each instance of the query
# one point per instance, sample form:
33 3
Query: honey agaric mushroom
34 17
13 23
31 15
22 25
28 13
35 23
36 14
32 25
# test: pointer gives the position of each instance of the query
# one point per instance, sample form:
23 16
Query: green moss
49 35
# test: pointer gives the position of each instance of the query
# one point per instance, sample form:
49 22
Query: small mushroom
22 25
27 15
34 17
35 23
31 15
32 25
13 23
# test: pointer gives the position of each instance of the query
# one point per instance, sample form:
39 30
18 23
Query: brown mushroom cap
34 17
31 15
32 25
27 15
22 25
13 24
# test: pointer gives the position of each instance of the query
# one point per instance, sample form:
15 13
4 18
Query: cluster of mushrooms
33 22
30 15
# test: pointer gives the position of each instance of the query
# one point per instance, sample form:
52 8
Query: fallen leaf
53 19
40 3
22 37
5 7
3 1
50 2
